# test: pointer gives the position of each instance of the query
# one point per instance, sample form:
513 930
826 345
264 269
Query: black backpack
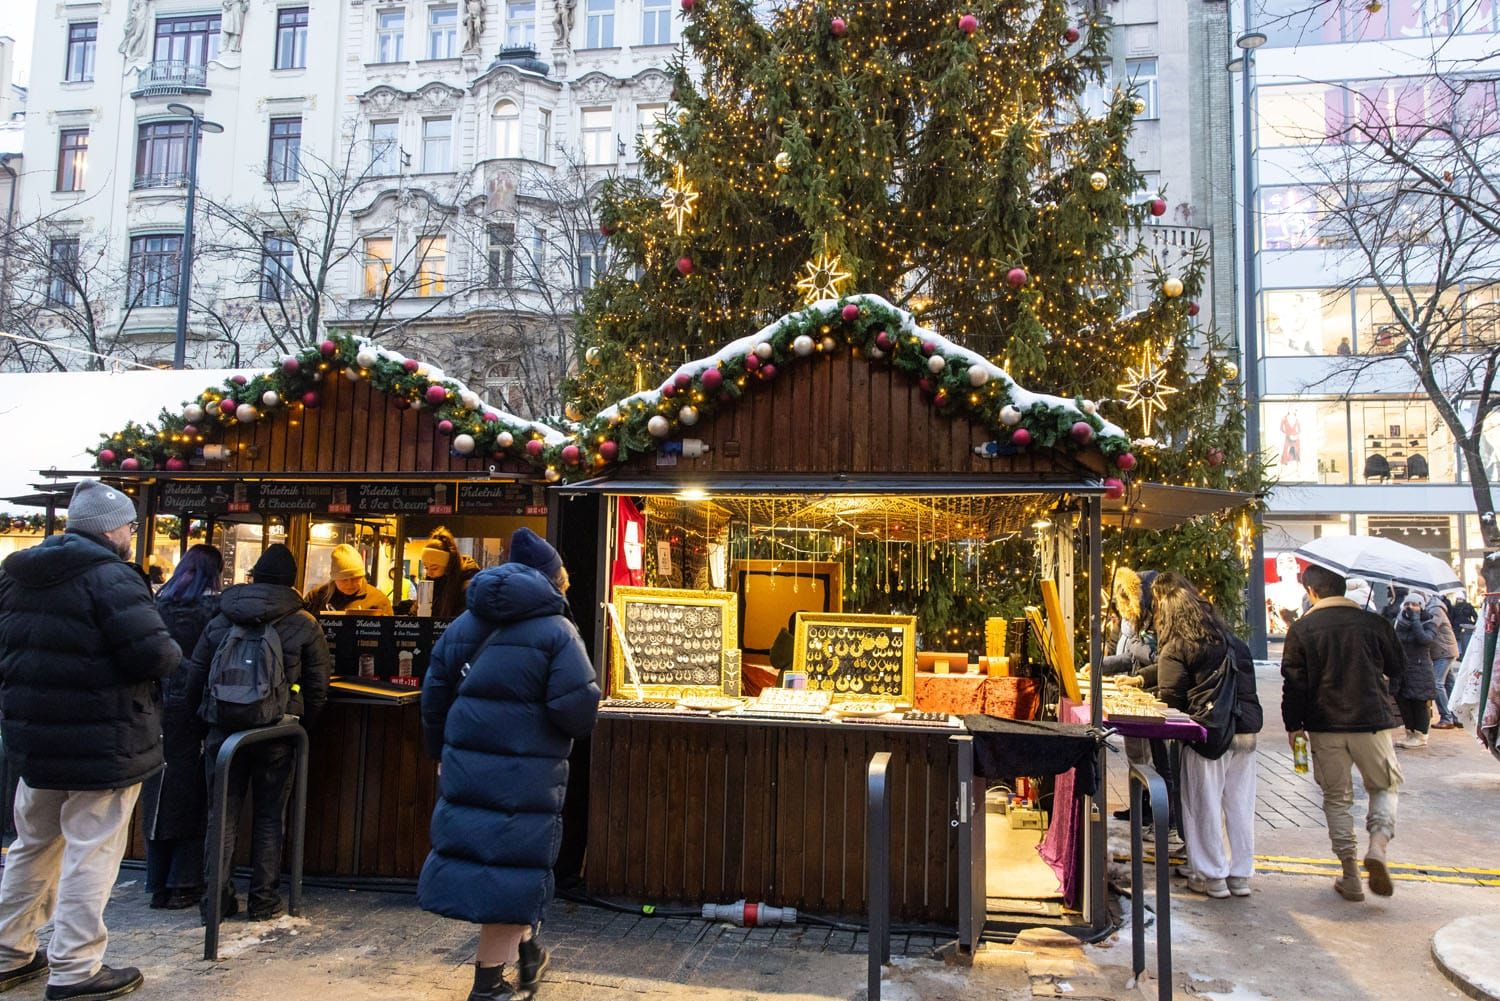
1211 704
247 685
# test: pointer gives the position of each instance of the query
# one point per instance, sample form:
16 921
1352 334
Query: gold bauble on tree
1171 288
593 355
573 411
783 162
1138 106
1231 371
1098 180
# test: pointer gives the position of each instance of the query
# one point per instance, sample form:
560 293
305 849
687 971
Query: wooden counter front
704 810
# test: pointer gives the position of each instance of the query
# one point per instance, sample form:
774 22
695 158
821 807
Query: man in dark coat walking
263 769
82 650
509 689
1340 669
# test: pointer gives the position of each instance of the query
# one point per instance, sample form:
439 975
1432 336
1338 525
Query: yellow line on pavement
1410 871
1391 865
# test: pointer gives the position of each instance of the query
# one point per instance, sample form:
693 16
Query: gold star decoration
680 199
1145 389
825 274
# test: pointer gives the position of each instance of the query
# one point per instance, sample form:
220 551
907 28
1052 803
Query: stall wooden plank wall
710 813
843 414
356 429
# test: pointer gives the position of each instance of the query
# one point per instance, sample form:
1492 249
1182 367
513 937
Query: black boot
490 985
106 983
534 960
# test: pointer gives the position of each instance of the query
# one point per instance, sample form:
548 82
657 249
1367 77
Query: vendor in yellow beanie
347 590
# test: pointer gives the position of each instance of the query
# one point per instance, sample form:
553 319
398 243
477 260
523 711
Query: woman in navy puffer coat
509 688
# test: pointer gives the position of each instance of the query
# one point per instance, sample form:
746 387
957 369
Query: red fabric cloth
1060 848
629 568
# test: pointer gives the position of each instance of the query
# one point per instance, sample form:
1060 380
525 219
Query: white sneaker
1413 740
1218 889
1239 886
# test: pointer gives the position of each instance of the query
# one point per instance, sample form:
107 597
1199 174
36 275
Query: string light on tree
1145 389
679 200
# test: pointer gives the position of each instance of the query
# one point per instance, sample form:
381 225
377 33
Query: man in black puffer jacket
263 769
82 652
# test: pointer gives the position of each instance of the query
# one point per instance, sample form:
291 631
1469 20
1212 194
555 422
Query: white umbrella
1379 559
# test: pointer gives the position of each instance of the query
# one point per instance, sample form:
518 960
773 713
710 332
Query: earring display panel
857 655
678 641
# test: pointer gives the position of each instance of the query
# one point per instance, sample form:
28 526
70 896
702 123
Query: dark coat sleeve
440 685
317 668
195 671
1393 659
572 694
1294 693
127 614
1174 674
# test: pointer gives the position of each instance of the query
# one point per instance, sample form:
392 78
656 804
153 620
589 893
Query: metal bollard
1145 781
878 866
288 729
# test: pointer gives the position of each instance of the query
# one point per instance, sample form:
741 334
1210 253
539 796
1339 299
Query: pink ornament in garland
228 406
768 371
924 384
402 403
190 430
411 364
490 417
1017 277
445 427
684 266
609 451
683 380
311 400
1020 437
238 380
328 349
106 455
130 464
290 365
752 362
1125 461
1114 489
534 447
669 389
712 379
1157 206
928 347
175 464
941 399
850 313
436 396
968 24
1082 432
883 341
571 454
839 27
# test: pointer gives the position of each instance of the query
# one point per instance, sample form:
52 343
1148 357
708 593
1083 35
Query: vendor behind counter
347 589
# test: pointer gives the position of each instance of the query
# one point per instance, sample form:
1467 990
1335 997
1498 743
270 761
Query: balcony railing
168 179
164 79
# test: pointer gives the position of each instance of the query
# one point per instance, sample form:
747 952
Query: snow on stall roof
734 350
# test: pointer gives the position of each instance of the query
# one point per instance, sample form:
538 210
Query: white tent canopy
49 420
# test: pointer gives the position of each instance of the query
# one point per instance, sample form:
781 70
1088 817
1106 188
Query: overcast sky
16 17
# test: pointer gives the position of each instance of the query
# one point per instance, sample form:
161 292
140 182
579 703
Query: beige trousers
1333 754
61 868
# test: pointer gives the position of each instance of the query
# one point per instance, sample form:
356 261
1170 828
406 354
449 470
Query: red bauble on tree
106 455
1017 277
883 341
752 362
1216 457
968 24
928 347
436 395
130 464
768 371
1125 461
941 399
289 365
571 454
411 364
683 380
839 27
1192 309
445 427
238 380
1114 488
228 406
534 447
712 379
688 5
328 349
608 451
684 266
1082 432
605 229
175 464
1157 206
1071 34
850 313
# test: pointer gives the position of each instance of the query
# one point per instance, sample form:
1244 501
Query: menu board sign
403 498
857 655
396 648
674 641
206 497
288 498
499 498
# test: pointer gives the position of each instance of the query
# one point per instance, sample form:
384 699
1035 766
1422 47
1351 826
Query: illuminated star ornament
679 200
1145 389
825 274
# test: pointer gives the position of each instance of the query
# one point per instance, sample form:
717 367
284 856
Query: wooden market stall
361 460
843 476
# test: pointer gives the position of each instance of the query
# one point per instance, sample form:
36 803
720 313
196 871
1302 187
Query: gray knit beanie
97 508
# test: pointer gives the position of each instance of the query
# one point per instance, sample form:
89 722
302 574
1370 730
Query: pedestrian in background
1464 618
508 690
1417 629
174 802
1339 667
82 652
1445 653
269 602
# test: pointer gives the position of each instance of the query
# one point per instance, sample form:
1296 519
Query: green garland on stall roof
154 445
949 389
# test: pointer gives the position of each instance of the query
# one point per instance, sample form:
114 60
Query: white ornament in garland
978 375
463 444
366 358
352 374
269 398
192 413
763 350
830 345
469 399
659 426
1090 407
802 346
245 413
553 475
876 353
688 415
936 364
505 439
1010 416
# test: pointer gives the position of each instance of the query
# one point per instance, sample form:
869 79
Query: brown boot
1380 876
1348 885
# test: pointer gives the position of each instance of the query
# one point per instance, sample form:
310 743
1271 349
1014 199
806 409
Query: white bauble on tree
659 426
245 413
978 375
936 364
269 398
803 346
763 350
1010 416
463 444
192 413
505 439
688 415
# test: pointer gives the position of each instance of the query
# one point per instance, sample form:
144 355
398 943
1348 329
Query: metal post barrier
878 866
973 902
288 729
1144 781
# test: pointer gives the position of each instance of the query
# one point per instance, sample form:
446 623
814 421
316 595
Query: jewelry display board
677 640
858 654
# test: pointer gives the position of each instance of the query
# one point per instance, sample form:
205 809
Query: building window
83 40
285 150
596 129
591 259
538 262
291 38
648 125
277 259
1306 441
507 123
1299 115
656 22
601 24
384 149
380 258
520 24
544 136
153 270
1142 76
442 33
437 145
432 266
502 255
72 158
390 36
1401 441
161 154
188 41
62 268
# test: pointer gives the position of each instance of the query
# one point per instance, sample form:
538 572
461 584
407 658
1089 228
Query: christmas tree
942 157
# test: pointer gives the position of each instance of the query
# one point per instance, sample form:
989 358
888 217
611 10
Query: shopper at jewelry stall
509 689
1132 597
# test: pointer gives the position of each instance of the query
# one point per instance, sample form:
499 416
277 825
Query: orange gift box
950 693
1011 698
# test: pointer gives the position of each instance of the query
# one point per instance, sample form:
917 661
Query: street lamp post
1247 43
185 258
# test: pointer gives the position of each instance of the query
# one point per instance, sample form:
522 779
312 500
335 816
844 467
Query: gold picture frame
858 655
678 642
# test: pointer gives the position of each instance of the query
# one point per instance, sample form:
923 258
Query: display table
700 809
1176 726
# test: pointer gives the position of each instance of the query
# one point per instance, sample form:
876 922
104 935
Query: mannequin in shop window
1416 467
1377 465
